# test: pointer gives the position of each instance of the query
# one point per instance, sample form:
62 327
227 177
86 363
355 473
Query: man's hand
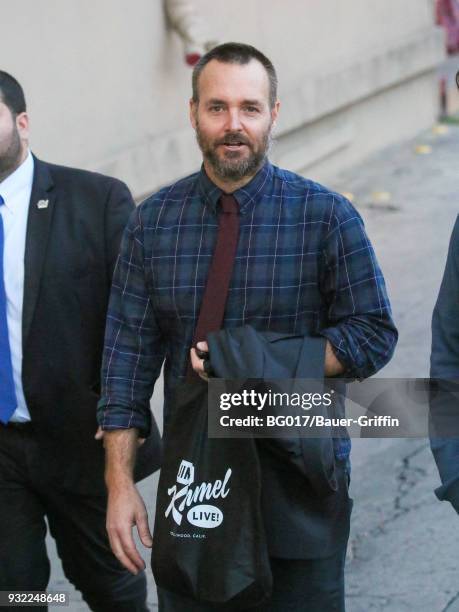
125 510
333 367
198 363
125 506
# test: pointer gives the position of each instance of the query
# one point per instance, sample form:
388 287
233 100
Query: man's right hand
125 506
125 510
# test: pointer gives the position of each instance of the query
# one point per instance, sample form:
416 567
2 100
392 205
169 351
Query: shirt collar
246 196
20 179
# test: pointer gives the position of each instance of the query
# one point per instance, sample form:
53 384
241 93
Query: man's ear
22 124
275 113
193 111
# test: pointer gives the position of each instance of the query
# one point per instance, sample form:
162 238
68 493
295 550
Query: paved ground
404 550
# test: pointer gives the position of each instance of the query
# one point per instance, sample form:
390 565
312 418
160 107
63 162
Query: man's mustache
230 139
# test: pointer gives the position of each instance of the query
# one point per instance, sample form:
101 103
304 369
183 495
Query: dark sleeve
360 326
118 207
444 372
133 348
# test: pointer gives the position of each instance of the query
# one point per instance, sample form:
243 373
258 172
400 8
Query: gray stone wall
108 88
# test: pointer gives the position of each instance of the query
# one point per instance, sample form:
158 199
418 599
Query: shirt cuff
114 415
338 344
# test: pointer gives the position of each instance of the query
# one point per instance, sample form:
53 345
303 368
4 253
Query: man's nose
233 123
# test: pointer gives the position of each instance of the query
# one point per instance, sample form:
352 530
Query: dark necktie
218 280
8 402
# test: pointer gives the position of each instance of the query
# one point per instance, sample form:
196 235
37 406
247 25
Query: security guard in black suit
51 464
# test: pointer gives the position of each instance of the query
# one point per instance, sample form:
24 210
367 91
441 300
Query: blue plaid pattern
304 264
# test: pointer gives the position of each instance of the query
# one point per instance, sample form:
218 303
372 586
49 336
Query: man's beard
233 166
10 158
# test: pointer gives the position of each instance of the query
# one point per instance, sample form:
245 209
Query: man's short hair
12 94
236 53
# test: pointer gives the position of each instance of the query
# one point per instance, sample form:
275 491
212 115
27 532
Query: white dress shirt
16 190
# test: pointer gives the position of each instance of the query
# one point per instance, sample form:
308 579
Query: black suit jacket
71 249
305 503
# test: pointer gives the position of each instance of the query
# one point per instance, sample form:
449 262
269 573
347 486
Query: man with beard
60 230
303 265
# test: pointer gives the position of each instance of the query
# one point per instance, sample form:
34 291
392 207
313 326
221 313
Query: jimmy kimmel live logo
184 495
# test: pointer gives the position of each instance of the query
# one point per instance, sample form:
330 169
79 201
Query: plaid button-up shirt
304 264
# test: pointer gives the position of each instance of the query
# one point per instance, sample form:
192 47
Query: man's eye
251 109
216 108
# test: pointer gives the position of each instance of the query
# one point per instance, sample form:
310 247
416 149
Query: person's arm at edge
444 372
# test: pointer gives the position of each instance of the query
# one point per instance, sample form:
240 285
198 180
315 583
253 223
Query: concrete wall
107 86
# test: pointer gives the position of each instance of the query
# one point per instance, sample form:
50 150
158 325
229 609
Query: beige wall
107 87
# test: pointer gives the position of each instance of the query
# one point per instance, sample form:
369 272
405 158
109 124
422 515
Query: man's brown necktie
218 280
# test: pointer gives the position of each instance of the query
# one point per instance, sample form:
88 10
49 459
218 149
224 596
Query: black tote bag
209 542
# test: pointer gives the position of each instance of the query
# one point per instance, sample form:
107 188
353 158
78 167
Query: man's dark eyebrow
244 102
215 101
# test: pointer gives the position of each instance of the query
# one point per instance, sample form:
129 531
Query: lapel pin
42 203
